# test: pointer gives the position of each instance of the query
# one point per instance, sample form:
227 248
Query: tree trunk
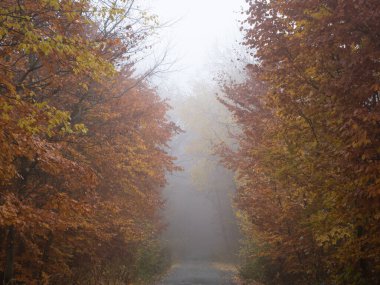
9 255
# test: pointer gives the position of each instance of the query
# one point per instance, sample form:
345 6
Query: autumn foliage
82 145
308 162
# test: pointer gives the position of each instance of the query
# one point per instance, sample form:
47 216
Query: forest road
200 273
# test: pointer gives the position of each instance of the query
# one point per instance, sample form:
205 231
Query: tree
82 143
307 161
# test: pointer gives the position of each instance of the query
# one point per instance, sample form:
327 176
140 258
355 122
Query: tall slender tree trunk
45 255
9 255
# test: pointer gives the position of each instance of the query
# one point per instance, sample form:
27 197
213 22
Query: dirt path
195 273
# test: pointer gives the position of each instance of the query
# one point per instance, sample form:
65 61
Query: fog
198 40
201 223
191 33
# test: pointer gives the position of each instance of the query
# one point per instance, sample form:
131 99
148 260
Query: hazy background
197 36
199 39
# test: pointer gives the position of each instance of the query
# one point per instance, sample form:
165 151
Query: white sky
200 28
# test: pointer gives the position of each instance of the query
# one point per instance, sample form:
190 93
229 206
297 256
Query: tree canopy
82 144
308 162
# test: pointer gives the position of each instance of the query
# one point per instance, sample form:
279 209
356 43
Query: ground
200 273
